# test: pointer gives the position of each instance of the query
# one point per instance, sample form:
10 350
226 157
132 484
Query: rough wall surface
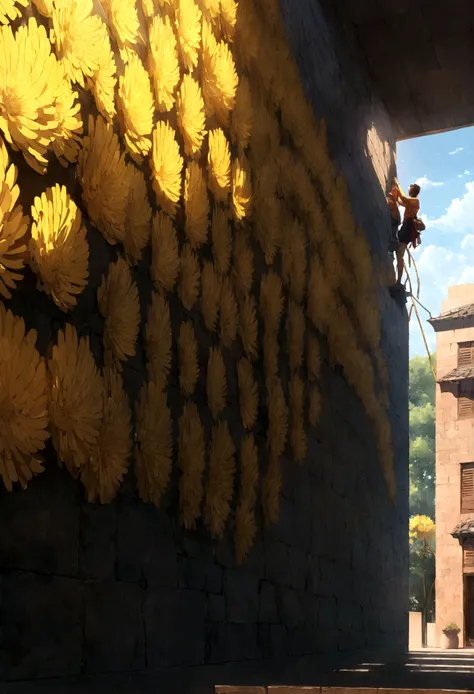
119 598
454 446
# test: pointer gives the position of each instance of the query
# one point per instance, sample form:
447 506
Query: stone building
455 463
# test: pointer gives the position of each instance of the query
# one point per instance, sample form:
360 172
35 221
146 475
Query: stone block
276 562
146 546
97 542
234 642
114 637
327 614
241 590
216 610
175 626
290 608
41 620
267 604
39 529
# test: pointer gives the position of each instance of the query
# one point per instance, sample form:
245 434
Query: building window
467 488
468 556
466 354
466 400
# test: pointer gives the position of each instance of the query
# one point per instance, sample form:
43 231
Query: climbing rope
413 307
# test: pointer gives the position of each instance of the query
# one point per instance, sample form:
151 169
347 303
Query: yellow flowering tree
422 538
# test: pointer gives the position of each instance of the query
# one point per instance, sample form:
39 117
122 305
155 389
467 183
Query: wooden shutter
468 556
467 488
466 354
466 400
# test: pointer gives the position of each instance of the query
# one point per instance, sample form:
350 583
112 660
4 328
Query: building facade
455 463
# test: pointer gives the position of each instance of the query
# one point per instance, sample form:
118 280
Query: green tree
422 437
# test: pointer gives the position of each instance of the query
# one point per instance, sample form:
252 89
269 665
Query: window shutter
468 560
467 488
465 407
466 354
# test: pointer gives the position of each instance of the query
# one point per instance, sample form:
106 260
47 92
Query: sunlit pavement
426 669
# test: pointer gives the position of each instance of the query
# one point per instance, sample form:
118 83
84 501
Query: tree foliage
422 486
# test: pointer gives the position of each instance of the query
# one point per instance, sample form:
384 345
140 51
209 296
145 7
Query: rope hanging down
413 307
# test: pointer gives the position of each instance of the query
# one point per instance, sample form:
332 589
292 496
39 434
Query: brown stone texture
454 445
420 56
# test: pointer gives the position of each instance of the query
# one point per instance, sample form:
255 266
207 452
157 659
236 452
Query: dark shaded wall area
119 598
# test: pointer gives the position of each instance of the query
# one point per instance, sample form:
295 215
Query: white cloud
439 268
458 149
424 182
466 173
460 214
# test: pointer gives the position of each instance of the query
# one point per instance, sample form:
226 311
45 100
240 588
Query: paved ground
427 669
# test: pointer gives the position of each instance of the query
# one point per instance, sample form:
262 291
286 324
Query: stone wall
119 597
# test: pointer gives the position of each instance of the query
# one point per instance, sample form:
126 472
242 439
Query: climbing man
394 219
408 231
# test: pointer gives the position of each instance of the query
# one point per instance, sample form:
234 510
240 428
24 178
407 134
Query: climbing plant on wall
187 129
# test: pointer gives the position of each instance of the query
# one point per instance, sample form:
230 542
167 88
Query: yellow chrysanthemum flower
229 313
163 64
30 82
221 240
241 188
218 164
191 118
108 463
102 173
136 108
104 80
271 490
196 205
137 215
192 462
77 36
154 456
13 226
165 260
118 302
248 393
10 10
67 142
167 165
76 399
245 521
188 359
211 295
220 77
190 277
228 18
44 7
216 382
158 338
125 25
277 419
220 483
244 266
248 327
59 248
188 28
149 8
242 115
23 402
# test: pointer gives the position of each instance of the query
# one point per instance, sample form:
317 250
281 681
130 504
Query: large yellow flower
76 34
76 399
103 82
138 215
68 142
159 340
125 25
154 456
30 83
44 7
196 205
188 27
136 108
241 188
191 118
13 226
220 78
220 483
167 165
163 64
219 164
108 463
165 260
10 10
118 302
23 402
242 115
102 173
59 249
191 460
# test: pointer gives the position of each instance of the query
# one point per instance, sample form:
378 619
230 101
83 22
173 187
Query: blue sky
443 165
